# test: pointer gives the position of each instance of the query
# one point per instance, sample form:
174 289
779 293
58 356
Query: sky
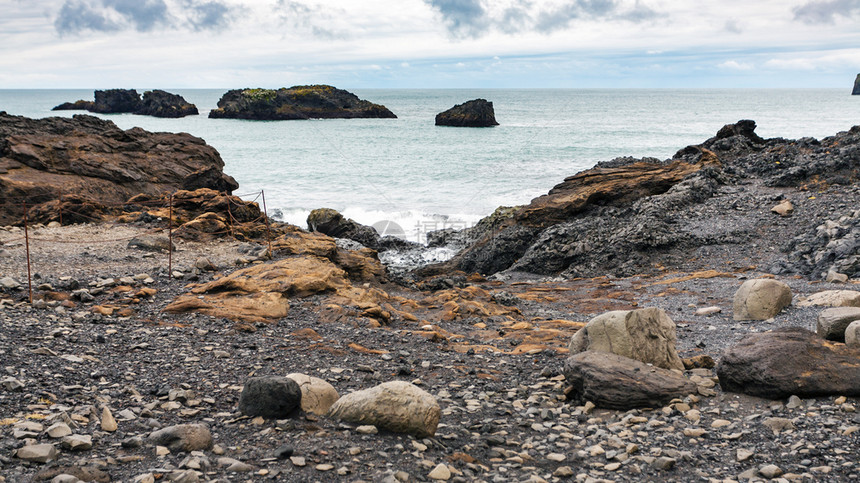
429 43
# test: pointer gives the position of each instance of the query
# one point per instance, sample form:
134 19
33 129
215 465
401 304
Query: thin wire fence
66 210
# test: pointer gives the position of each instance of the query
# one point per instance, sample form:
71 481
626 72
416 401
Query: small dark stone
132 442
284 452
270 396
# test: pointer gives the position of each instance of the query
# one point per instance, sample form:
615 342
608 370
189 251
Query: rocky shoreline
124 370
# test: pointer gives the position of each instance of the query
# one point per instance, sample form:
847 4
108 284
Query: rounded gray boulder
761 299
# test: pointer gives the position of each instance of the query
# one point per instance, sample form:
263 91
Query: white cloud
735 65
268 41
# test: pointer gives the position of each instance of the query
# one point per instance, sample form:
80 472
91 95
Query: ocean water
413 177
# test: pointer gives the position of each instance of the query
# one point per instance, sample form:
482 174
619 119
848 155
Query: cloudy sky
429 43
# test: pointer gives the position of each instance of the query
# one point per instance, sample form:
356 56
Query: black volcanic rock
79 105
475 113
116 101
297 102
155 103
159 103
856 91
628 216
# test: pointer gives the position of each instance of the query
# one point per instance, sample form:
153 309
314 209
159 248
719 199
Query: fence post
230 214
170 239
266 217
27 248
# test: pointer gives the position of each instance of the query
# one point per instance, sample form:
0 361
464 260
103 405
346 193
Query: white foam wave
411 225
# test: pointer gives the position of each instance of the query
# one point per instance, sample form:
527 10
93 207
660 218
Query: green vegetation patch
257 95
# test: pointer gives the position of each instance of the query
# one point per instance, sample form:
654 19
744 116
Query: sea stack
856 91
155 103
474 113
297 102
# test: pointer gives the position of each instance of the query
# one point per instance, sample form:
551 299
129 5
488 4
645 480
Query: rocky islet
294 103
157 103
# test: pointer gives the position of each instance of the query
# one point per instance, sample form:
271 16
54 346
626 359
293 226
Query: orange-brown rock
263 291
40 159
615 186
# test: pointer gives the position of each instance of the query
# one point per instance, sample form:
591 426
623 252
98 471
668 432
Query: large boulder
616 382
832 322
317 395
329 222
273 397
42 160
474 113
790 361
852 334
395 406
183 437
646 335
297 102
761 299
832 298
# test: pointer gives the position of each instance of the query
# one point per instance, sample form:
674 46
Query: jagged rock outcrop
79 105
856 90
116 101
629 216
42 159
297 102
159 103
474 113
155 103
514 241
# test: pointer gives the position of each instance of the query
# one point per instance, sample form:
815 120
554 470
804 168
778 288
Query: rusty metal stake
266 217
27 247
170 240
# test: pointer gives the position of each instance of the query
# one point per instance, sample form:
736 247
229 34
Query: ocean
413 177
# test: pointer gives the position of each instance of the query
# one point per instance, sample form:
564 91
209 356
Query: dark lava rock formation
41 159
156 103
159 103
329 222
856 91
298 102
709 202
474 113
